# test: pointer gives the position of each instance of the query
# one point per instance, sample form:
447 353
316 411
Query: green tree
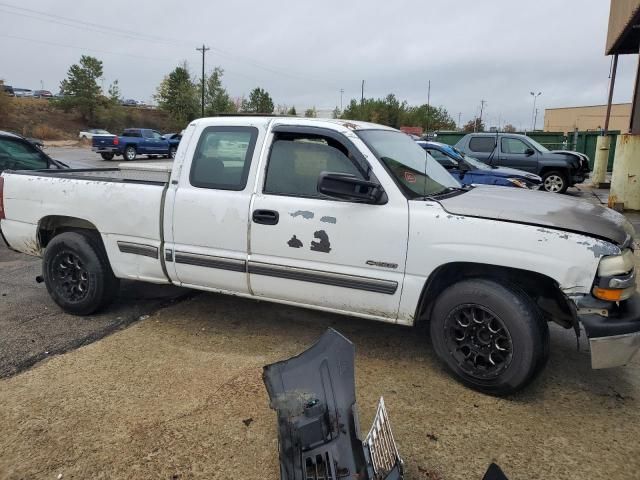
336 113
178 95
80 89
292 111
216 98
259 102
509 128
114 93
311 112
430 118
474 125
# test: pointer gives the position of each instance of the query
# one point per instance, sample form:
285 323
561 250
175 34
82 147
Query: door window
223 157
18 155
295 164
482 144
513 145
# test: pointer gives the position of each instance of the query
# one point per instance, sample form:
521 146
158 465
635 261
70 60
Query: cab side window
296 162
223 157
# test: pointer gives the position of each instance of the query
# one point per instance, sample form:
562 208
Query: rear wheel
77 273
130 153
555 182
491 337
107 156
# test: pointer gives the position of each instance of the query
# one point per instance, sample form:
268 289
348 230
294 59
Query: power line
89 26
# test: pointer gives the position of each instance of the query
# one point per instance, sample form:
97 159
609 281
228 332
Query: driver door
311 249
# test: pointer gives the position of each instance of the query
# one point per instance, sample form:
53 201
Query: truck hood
531 207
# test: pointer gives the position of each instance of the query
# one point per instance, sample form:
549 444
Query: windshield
414 170
538 146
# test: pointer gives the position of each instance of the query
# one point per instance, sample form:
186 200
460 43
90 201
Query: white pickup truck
345 217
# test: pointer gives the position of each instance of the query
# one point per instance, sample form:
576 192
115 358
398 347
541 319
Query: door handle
266 217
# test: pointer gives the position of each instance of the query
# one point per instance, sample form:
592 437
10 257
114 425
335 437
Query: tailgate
103 141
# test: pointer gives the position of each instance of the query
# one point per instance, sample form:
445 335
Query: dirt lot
180 395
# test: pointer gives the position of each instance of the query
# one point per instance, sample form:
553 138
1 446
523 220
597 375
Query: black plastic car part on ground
318 429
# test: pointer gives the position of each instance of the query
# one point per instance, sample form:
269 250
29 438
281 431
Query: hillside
35 117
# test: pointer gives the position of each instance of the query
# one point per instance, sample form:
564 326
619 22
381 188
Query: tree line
179 95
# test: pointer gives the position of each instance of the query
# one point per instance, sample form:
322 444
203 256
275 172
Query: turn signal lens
612 294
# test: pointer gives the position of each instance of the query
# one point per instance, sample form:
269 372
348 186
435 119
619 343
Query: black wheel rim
478 340
70 276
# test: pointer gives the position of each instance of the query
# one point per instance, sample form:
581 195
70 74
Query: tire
492 338
107 156
555 182
130 153
172 152
77 273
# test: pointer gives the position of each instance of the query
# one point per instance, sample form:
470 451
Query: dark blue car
468 170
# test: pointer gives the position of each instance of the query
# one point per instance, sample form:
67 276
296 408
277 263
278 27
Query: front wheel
130 153
107 156
172 152
77 273
555 182
491 337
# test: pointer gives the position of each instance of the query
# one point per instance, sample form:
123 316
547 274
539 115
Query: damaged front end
319 436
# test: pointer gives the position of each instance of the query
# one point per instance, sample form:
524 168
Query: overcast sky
304 52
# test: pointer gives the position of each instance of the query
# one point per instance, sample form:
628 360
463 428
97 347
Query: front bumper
614 340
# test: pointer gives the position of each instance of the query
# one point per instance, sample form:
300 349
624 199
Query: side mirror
529 151
349 187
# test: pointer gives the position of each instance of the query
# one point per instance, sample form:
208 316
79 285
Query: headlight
616 264
518 183
616 277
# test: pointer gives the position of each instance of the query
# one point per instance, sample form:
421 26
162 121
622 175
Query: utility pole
479 122
459 119
341 93
533 112
535 119
203 50
362 94
428 105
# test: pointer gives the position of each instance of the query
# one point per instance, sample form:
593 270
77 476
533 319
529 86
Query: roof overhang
623 35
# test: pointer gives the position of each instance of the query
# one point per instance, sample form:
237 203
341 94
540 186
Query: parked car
559 169
8 89
43 94
133 142
22 92
19 153
346 217
472 171
129 102
88 134
174 141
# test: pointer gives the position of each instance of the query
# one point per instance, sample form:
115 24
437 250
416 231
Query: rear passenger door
481 147
515 153
311 249
211 210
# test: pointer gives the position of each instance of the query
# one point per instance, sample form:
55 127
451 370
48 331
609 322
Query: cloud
303 53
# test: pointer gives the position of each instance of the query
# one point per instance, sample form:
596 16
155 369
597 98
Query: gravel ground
33 327
170 396
179 394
